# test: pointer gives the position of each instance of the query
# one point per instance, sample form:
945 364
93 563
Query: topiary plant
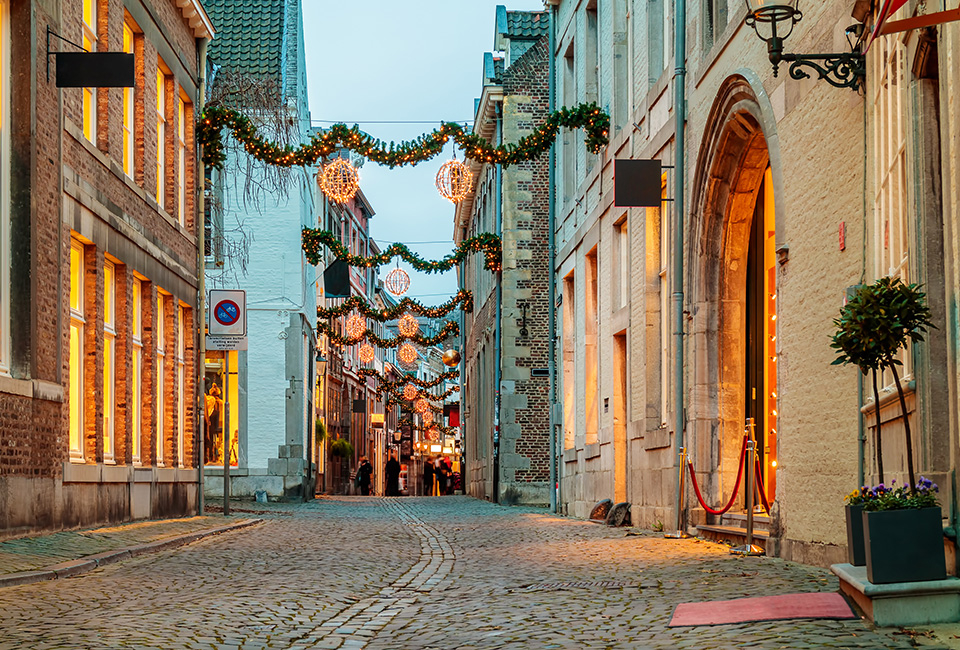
341 448
872 328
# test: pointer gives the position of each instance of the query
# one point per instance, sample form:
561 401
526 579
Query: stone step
739 520
733 535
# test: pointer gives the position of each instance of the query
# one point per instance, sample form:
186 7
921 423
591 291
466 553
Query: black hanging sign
94 70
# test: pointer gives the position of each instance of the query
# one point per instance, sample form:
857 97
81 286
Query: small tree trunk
906 426
876 408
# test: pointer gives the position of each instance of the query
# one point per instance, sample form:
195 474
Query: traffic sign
227 310
226 343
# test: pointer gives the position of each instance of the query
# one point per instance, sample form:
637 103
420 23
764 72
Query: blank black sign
94 70
636 183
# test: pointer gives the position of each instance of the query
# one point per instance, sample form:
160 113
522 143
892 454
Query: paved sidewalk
50 556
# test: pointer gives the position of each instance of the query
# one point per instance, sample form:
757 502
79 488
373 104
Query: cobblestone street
448 572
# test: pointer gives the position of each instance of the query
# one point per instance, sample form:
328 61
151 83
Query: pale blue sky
383 60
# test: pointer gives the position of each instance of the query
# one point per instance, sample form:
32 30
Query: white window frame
161 136
181 381
181 162
89 98
77 366
109 361
127 123
160 392
136 431
4 188
665 334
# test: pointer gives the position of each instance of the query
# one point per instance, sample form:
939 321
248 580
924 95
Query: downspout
201 290
679 81
496 321
551 293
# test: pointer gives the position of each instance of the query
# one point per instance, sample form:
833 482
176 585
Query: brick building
99 256
505 353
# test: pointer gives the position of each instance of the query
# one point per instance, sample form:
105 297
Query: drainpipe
551 293
201 291
679 110
497 332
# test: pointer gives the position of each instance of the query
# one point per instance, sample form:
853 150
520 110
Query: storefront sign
376 420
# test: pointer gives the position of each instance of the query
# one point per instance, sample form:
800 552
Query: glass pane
76 385
76 278
109 296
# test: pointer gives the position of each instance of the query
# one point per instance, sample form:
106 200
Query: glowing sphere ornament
428 417
410 392
421 405
366 353
451 358
408 325
339 181
397 281
453 181
407 353
356 326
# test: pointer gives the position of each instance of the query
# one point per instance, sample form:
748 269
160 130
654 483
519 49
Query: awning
890 7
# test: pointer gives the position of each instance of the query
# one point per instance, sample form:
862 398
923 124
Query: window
161 134
569 316
181 162
161 376
622 252
90 94
714 21
136 313
109 359
77 324
4 190
591 359
592 55
658 39
665 258
568 158
181 384
128 139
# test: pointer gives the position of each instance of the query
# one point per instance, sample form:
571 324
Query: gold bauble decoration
407 353
451 358
366 353
356 326
408 325
433 434
397 281
340 181
453 180
410 392
421 405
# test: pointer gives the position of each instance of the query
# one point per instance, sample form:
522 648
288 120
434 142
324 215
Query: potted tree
874 326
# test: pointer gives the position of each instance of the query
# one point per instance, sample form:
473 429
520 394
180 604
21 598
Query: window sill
888 394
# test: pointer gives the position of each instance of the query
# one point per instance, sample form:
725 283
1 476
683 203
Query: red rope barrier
736 488
761 488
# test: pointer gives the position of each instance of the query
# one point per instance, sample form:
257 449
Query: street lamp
774 20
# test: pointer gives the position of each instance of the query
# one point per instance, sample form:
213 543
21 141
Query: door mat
765 608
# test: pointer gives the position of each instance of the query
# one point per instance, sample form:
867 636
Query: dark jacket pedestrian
392 471
427 479
363 476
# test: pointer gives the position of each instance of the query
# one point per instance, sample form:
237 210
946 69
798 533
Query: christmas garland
313 238
421 394
215 119
359 304
450 328
445 430
389 385
394 400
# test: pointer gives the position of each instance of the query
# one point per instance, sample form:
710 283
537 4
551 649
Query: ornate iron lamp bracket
843 70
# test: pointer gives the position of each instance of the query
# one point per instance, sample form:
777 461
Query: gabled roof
249 36
519 25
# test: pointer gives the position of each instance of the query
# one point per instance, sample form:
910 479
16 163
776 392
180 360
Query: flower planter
904 545
855 550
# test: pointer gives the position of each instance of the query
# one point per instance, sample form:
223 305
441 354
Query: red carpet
765 608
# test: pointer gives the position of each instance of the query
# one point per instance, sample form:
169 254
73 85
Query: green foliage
341 448
923 495
320 430
360 305
450 328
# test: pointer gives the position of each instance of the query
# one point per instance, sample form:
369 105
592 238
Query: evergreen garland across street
359 304
450 328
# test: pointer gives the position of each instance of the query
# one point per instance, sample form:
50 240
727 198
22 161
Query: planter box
904 545
856 554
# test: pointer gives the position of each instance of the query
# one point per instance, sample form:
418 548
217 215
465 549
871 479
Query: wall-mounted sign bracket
90 69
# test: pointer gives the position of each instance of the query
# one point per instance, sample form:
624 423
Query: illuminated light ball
356 326
408 325
340 181
366 353
428 417
433 434
410 392
407 353
453 180
451 358
397 281
421 405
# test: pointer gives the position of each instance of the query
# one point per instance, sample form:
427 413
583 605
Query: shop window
665 256
127 125
215 409
181 385
109 360
77 362
136 368
591 358
161 377
89 28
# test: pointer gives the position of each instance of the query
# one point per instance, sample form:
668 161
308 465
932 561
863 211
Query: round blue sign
227 313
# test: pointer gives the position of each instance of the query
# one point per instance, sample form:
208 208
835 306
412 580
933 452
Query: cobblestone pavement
442 573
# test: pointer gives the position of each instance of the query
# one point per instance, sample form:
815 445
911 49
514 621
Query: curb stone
91 562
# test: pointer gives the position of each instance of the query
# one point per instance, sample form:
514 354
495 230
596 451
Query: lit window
161 134
109 359
128 138
77 323
90 94
136 313
181 162
181 381
161 377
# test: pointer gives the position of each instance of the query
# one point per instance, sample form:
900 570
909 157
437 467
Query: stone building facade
505 354
98 268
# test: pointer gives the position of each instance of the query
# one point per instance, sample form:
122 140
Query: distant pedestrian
427 479
392 471
363 476
441 472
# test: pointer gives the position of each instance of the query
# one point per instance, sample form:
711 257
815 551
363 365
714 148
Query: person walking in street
441 471
392 471
427 479
363 476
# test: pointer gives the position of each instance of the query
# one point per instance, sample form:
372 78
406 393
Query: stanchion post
681 482
751 465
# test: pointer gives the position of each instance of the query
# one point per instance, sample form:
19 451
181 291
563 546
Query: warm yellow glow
181 162
109 358
76 349
408 325
773 463
160 378
339 181
356 326
397 281
410 392
181 386
407 353
90 94
453 181
421 405
367 353
127 126
137 368
161 136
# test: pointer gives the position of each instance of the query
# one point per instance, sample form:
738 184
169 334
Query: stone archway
734 156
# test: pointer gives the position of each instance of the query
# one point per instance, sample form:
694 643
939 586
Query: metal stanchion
749 548
681 482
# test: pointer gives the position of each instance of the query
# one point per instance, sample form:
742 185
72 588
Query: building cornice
197 18
484 125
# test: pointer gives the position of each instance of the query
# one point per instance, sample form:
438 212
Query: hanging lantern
427 417
408 325
410 392
356 326
453 180
397 281
339 181
451 358
366 353
421 405
433 434
407 353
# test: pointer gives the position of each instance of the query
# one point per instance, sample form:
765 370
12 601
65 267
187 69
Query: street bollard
682 484
751 464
